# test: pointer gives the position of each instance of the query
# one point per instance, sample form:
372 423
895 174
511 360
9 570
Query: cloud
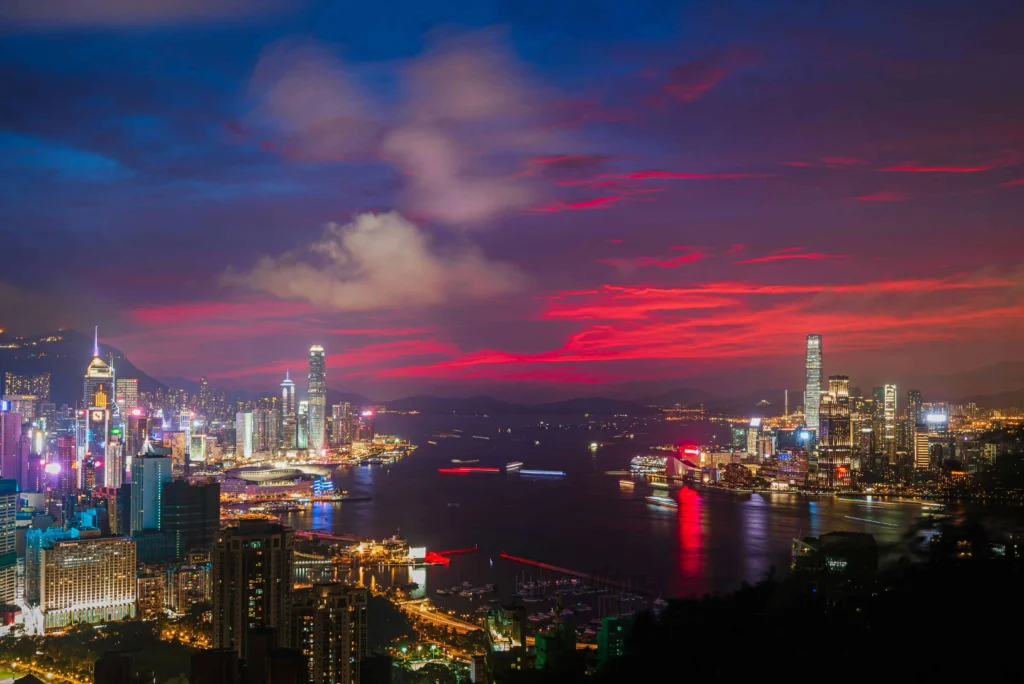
883 197
677 175
1009 158
692 255
692 81
793 253
311 105
465 119
379 261
595 203
41 14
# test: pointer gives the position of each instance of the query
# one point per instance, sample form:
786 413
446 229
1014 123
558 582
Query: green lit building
611 638
556 648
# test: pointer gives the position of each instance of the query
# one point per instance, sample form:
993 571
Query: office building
243 435
113 466
63 470
252 583
889 409
839 388
149 474
914 410
341 424
329 627
364 426
97 399
266 429
302 436
126 395
288 416
812 391
87 581
835 443
191 516
317 399
37 386
8 555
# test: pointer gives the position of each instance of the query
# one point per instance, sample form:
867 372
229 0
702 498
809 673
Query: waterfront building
87 581
835 443
812 391
288 418
317 399
341 424
149 474
329 627
8 555
252 583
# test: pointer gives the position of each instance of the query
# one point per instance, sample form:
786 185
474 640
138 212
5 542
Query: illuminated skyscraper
812 392
37 386
127 395
317 399
913 410
149 473
329 627
839 388
922 448
244 434
8 557
341 425
889 413
302 423
835 443
288 419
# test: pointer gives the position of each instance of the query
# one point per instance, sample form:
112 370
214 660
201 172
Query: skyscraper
243 435
149 473
329 627
37 386
126 395
288 419
191 516
98 403
889 412
914 407
10 445
341 424
317 399
252 583
8 557
835 435
812 392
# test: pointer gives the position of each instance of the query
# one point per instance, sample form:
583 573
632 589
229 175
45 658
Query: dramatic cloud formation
378 261
92 13
466 116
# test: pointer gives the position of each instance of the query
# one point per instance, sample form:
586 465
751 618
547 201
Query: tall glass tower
288 421
317 399
812 392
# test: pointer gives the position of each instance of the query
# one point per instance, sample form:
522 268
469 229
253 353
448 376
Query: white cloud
378 261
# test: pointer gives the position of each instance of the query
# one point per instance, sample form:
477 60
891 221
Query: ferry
660 485
648 464
627 483
430 441
618 472
545 473
663 501
468 460
512 465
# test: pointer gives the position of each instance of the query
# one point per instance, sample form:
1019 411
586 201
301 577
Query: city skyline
671 196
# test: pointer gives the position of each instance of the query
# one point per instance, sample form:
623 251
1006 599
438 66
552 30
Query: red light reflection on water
691 538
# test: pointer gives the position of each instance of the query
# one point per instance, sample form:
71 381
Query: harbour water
586 520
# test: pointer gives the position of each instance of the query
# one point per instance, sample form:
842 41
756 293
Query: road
45 675
421 609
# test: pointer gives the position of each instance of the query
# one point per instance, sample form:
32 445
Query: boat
429 441
543 473
663 501
660 485
480 437
468 460
626 483
512 465
443 592
618 472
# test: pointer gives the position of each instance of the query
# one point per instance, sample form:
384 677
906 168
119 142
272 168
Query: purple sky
524 198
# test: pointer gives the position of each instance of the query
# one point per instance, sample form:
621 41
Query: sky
524 198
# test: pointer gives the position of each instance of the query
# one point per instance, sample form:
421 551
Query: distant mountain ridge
65 355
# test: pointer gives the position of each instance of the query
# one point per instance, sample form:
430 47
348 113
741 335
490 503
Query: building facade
149 474
252 583
329 627
288 415
87 581
317 399
812 390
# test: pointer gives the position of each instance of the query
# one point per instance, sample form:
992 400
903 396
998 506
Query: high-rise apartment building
914 409
812 391
87 581
8 556
10 445
329 627
252 583
317 399
288 416
149 474
266 429
922 449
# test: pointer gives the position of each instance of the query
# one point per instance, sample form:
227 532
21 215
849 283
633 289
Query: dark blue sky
520 197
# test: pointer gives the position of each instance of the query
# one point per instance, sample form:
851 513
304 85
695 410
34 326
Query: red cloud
1007 159
793 253
595 203
883 197
1019 181
672 262
691 81
735 248
673 175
